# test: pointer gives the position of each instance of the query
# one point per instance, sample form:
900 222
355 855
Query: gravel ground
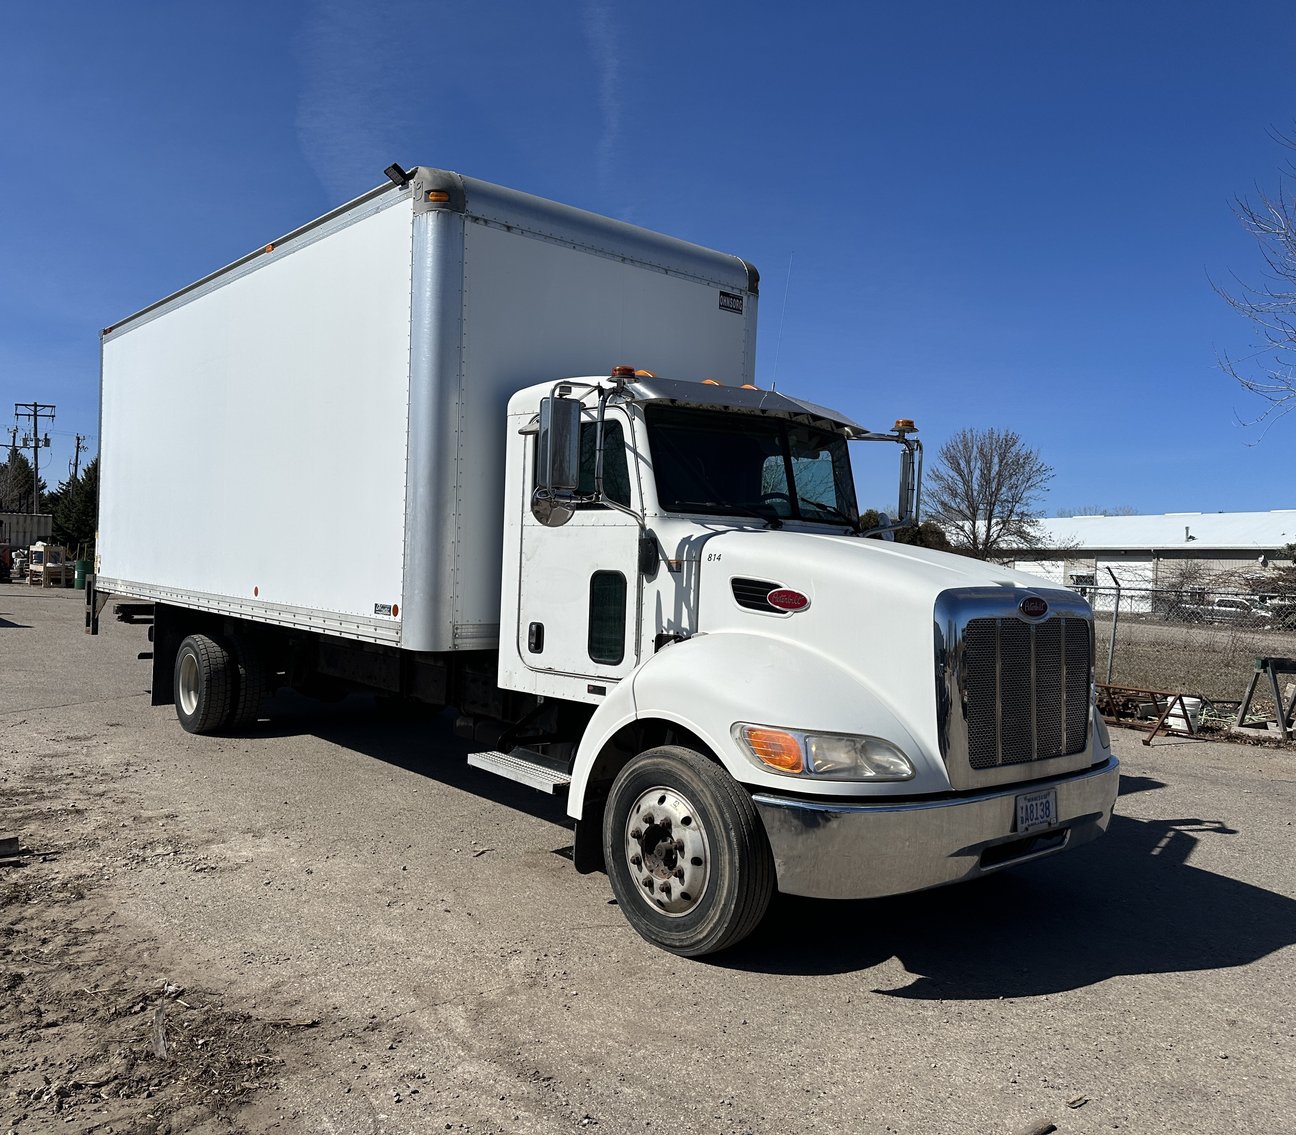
332 925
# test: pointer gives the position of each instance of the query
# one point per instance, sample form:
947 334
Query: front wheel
686 852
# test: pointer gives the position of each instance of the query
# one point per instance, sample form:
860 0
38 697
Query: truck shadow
418 739
1129 903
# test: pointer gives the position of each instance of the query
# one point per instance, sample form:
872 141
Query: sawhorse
1271 667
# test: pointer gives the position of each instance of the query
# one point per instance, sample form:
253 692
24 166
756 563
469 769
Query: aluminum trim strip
324 622
578 228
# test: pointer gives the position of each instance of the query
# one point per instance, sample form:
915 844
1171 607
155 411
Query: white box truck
457 443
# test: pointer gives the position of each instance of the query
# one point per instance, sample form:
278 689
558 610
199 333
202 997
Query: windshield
718 462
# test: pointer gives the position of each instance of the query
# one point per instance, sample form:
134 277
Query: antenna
778 346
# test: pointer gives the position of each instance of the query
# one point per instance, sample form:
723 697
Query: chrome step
524 766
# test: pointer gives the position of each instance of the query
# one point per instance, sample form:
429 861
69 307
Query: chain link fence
1201 643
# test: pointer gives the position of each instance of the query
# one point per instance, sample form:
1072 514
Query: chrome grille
1026 689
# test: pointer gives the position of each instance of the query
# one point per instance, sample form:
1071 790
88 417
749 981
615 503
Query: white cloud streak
601 37
353 109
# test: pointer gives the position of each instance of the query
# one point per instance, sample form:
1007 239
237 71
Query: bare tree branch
985 491
1270 306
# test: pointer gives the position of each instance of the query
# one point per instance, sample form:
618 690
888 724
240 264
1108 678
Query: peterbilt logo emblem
1033 607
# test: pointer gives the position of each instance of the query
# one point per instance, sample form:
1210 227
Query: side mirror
558 443
557 461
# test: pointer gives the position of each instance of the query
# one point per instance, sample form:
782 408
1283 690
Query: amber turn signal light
775 748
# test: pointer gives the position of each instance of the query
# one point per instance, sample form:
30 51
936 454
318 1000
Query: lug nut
636 860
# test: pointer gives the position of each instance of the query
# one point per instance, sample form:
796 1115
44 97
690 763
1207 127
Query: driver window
616 472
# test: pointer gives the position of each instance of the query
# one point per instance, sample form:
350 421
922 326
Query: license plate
1036 810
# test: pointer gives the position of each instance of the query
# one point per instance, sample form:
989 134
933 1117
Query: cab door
578 584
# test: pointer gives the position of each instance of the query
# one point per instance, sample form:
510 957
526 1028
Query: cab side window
616 473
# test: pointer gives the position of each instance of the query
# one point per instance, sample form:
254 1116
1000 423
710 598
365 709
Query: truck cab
770 697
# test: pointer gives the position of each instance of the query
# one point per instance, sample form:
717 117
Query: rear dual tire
217 685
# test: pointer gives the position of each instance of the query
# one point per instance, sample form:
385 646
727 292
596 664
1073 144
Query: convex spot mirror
552 513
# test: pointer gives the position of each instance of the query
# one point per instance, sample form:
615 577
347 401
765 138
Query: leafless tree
1270 373
1282 577
985 493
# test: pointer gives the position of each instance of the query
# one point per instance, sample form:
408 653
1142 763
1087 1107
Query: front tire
686 852
204 684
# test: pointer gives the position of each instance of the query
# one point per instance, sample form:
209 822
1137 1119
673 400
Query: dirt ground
331 924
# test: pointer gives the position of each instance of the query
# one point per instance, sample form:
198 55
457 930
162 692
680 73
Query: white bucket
1193 708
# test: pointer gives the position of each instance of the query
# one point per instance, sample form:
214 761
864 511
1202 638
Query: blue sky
1000 214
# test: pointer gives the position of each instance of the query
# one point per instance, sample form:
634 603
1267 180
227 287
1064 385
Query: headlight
833 756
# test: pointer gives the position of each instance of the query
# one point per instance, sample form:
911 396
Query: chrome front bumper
835 850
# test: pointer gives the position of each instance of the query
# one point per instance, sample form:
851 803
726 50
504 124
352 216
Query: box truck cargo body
315 436
460 444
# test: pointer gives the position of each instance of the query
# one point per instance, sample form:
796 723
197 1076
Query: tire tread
215 701
251 683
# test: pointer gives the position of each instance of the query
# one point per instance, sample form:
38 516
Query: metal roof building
1195 552
1243 533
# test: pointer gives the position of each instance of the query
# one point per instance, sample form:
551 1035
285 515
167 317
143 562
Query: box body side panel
536 310
254 438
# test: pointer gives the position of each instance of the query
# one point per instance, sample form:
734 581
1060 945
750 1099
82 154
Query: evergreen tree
76 511
16 478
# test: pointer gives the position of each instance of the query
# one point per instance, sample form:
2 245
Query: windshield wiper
831 510
728 508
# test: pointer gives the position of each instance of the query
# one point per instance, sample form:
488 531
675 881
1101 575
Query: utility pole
33 441
75 463
5 502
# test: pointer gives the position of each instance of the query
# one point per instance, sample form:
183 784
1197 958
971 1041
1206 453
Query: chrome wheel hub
667 852
188 691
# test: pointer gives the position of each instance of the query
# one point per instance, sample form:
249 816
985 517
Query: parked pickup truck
1237 612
